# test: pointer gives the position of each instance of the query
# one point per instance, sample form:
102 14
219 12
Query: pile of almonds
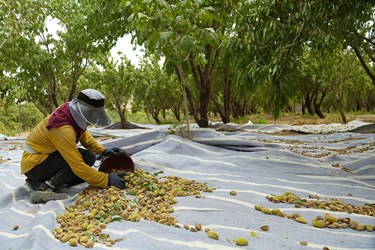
328 221
296 217
83 222
330 205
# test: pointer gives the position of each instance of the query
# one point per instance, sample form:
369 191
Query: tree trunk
186 96
147 115
339 106
343 117
318 104
202 80
318 112
176 112
218 107
237 108
121 112
123 122
252 107
204 100
303 108
155 115
364 65
235 112
227 95
308 103
163 113
339 98
329 107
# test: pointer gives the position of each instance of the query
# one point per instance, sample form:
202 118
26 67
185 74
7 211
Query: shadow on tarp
137 143
212 137
216 139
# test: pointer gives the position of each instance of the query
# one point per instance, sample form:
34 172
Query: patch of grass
260 120
139 117
179 129
170 121
255 119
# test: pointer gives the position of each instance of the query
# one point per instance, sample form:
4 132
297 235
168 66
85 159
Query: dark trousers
57 171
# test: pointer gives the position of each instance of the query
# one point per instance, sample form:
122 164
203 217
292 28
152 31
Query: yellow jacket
63 139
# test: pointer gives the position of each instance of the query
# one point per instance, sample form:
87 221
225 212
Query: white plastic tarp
252 161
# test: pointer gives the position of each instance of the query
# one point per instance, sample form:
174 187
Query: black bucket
120 162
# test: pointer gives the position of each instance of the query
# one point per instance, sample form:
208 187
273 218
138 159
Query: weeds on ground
179 129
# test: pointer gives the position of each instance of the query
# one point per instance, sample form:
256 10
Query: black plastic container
120 162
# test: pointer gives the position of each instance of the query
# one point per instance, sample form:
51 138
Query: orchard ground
323 163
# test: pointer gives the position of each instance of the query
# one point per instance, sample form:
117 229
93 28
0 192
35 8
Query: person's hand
117 180
112 151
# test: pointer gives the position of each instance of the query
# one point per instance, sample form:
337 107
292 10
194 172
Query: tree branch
364 65
355 33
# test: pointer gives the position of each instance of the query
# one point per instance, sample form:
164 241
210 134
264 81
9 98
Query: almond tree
156 91
275 35
17 19
117 80
47 67
188 34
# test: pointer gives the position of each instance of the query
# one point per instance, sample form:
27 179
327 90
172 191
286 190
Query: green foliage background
18 119
223 60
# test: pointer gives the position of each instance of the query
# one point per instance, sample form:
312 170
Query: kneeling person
51 157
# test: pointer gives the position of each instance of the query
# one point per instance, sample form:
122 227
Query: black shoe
45 196
33 184
45 187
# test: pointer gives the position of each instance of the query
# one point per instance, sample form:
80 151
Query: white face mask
77 116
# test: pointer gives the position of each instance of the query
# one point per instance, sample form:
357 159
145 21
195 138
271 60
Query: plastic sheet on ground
254 162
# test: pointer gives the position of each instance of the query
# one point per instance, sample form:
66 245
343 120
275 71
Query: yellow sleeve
89 142
64 139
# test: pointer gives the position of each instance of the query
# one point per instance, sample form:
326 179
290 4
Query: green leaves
155 88
156 174
205 15
185 67
169 68
187 42
131 17
162 3
125 3
142 16
251 43
165 35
